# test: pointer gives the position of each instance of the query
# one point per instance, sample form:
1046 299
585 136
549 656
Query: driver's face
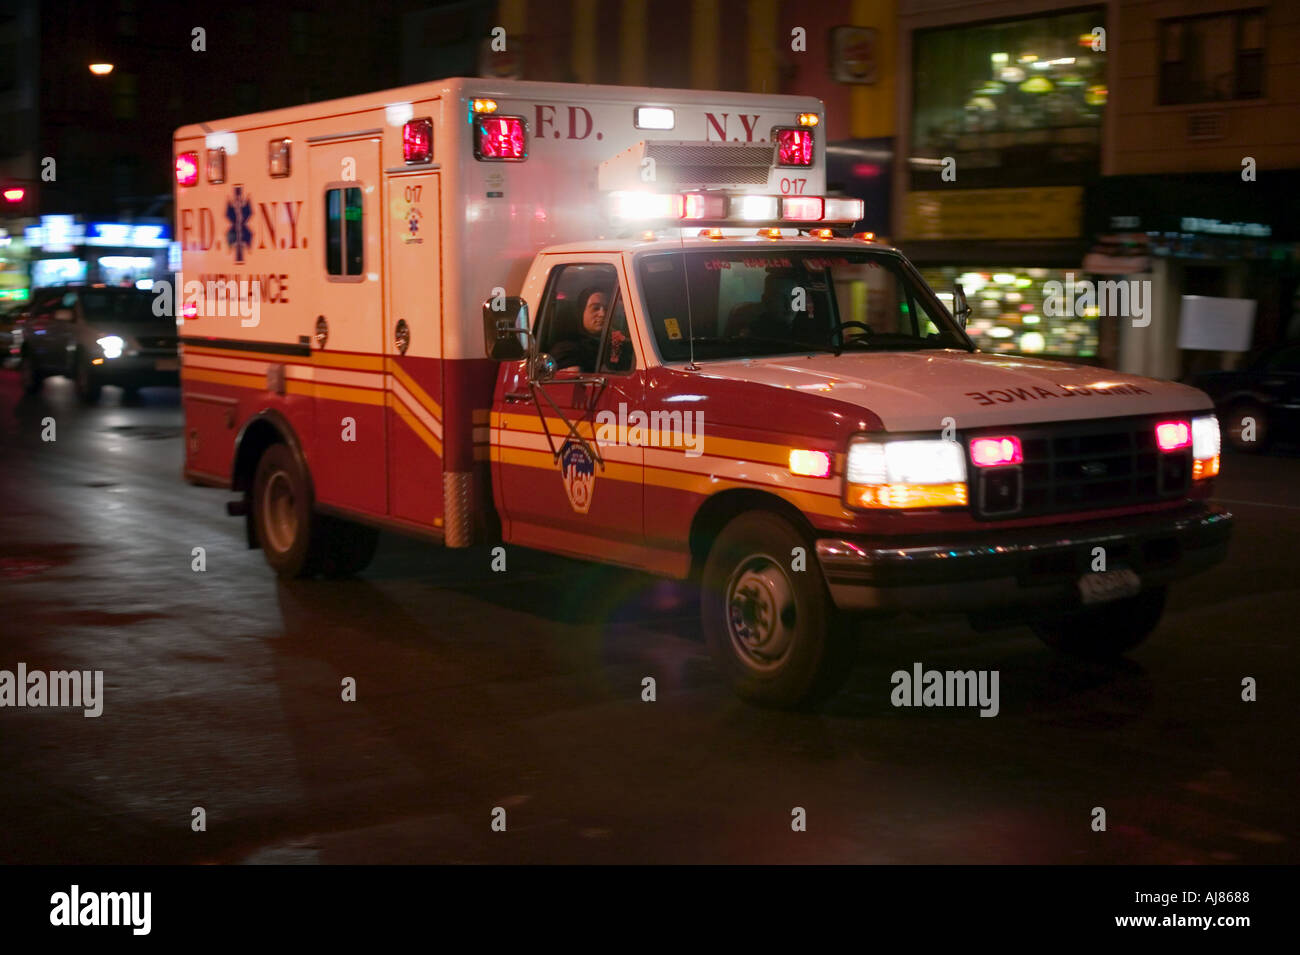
593 316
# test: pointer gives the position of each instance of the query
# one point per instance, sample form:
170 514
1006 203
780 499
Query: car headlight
1205 447
906 472
112 346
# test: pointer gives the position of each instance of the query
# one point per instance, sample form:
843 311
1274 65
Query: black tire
773 631
89 387
282 514
346 547
31 375
1233 427
1107 631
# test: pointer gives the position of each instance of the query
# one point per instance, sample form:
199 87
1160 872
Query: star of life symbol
578 471
239 236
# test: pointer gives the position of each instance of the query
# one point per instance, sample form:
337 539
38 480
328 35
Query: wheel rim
761 616
280 517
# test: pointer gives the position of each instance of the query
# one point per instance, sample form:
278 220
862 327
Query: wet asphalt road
523 691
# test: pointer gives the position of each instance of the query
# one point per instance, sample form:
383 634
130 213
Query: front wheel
1107 631
772 629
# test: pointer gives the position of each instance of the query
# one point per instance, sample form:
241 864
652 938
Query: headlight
905 473
1205 447
112 346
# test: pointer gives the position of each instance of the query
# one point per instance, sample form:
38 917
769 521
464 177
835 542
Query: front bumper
1019 568
140 370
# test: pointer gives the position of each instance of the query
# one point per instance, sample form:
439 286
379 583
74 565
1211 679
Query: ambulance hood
916 390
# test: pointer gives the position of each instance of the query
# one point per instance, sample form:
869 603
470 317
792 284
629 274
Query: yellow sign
1050 212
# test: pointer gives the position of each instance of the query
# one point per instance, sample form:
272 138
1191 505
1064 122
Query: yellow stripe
358 362
766 452
416 391
630 473
584 40
362 396
632 36
704 485
225 378
704 44
693 483
762 34
324 360
415 424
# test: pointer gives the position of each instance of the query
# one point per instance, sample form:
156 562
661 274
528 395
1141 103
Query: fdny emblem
578 471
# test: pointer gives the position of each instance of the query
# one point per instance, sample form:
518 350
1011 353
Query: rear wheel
1107 631
773 630
89 387
282 513
31 376
1247 428
296 541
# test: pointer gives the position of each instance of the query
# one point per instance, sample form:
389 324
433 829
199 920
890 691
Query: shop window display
1007 313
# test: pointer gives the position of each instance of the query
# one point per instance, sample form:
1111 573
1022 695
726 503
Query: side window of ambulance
560 329
344 233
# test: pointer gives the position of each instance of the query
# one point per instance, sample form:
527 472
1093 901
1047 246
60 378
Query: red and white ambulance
629 325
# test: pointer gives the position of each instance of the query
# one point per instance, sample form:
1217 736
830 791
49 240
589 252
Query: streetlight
101 69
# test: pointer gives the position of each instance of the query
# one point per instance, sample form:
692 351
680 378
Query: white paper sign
1216 324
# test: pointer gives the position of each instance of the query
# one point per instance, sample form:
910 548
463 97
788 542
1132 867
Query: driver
579 351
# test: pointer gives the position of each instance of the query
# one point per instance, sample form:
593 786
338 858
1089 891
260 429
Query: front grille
1087 465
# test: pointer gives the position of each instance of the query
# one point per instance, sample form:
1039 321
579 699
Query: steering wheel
837 333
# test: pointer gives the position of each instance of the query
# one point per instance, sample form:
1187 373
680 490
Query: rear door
346 324
413 348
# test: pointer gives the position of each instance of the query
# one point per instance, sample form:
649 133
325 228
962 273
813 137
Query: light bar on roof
843 210
755 208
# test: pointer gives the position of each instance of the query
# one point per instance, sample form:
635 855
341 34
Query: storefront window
1019 101
1008 314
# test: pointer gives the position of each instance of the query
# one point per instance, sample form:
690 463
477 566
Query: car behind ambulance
628 325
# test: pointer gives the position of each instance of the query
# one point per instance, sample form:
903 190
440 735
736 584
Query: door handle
515 397
322 331
402 336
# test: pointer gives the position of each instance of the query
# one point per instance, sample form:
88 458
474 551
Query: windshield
115 306
747 303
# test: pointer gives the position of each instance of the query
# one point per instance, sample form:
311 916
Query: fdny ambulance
629 325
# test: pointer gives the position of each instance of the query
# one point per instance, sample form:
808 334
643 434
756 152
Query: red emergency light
187 169
500 138
417 140
993 452
1172 435
794 146
15 194
810 208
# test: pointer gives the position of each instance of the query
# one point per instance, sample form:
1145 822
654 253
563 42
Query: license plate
167 364
1108 585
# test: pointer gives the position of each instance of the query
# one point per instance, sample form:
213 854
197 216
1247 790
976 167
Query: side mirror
960 308
505 328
